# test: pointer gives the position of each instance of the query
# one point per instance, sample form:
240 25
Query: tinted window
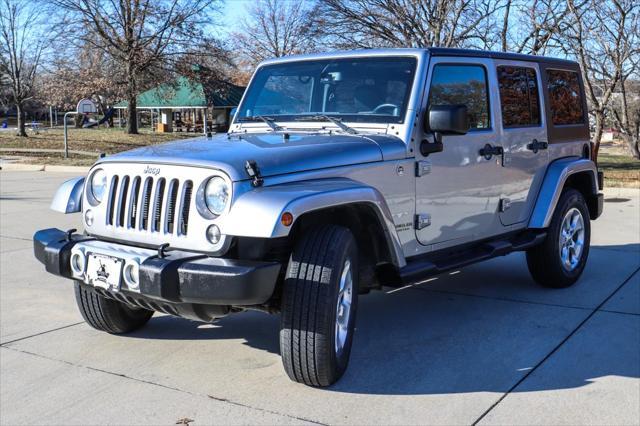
462 85
352 89
565 97
519 96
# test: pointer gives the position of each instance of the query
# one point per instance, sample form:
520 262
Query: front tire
319 303
559 261
109 315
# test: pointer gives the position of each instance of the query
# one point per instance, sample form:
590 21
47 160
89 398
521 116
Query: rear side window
518 96
565 97
462 85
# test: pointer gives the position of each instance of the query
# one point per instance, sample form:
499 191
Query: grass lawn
93 141
619 170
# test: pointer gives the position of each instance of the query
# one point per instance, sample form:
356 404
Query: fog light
131 274
77 263
88 217
214 234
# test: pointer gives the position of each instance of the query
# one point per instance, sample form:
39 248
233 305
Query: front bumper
178 277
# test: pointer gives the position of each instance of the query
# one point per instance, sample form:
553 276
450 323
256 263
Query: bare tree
540 24
90 74
626 114
21 50
408 23
504 33
142 36
275 28
603 37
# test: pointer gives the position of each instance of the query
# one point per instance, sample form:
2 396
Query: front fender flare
257 213
68 198
554 180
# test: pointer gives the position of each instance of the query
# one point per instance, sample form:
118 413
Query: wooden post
204 121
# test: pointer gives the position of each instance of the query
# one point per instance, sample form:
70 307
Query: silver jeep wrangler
341 173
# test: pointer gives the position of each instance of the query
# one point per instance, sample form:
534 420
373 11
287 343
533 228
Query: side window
462 85
565 97
518 96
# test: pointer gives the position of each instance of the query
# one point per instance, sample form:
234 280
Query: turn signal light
286 219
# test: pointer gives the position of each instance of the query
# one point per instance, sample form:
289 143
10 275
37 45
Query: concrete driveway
481 345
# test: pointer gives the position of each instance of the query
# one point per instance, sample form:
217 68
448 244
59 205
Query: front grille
155 205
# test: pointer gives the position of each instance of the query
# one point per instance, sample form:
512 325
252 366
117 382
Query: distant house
186 105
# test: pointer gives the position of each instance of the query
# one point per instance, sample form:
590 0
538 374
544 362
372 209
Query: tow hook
70 233
161 250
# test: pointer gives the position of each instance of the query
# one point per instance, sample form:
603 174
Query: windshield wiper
338 122
270 121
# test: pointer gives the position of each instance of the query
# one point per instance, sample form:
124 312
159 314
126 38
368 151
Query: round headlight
98 184
216 195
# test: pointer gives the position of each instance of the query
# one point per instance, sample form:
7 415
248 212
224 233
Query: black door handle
489 151
537 145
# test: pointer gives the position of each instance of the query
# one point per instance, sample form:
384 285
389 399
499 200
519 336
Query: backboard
86 106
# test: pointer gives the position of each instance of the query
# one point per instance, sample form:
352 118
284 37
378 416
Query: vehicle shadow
439 339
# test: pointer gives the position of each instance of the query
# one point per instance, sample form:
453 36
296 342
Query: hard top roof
446 51
433 51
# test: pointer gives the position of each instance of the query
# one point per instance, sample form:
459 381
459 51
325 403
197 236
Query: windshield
350 89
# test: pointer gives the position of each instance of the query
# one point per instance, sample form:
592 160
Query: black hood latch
254 173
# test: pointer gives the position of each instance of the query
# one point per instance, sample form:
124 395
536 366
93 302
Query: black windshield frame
404 67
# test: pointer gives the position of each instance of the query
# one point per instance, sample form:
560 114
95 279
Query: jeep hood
273 153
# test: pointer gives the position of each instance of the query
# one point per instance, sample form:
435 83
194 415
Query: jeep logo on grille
152 171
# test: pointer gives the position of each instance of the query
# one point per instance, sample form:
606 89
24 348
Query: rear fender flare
554 181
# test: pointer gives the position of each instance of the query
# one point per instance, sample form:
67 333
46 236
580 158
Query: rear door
523 133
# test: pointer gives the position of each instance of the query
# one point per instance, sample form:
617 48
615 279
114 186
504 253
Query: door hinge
506 158
422 220
505 203
423 168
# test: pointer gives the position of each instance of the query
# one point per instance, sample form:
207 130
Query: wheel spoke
571 238
343 306
575 217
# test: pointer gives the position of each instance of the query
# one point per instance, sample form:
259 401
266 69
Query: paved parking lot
483 345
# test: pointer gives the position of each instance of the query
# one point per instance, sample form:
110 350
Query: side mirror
443 120
447 119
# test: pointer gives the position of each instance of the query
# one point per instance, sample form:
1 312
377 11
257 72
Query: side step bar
426 266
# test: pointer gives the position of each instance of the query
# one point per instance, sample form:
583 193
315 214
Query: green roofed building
185 105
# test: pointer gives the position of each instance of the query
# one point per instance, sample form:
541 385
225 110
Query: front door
524 134
458 191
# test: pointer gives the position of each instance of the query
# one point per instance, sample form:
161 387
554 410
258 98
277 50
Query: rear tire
109 315
559 261
319 304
